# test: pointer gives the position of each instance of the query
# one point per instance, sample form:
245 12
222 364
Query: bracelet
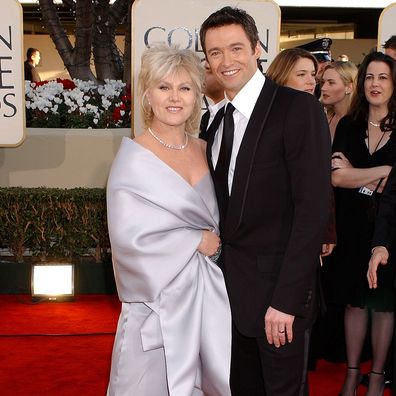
214 257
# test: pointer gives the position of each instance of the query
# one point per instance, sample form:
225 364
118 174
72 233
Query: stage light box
53 281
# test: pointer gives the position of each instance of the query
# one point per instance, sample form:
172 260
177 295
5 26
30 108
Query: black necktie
223 163
203 126
214 125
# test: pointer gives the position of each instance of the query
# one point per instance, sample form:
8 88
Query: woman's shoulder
347 120
198 143
349 126
347 134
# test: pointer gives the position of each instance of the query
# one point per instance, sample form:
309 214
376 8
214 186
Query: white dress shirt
213 109
244 103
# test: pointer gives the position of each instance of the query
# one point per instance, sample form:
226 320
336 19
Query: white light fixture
53 281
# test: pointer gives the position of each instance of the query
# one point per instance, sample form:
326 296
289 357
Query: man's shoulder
296 94
288 94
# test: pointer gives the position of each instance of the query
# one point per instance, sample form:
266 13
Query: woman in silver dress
174 332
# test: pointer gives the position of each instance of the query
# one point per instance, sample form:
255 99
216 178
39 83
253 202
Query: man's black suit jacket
31 73
278 209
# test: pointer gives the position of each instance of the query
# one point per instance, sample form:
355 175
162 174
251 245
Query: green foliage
52 222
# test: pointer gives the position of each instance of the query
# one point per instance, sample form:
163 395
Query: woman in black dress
364 150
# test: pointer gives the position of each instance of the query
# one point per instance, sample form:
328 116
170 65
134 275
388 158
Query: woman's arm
346 176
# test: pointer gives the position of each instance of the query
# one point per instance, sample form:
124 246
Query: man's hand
278 327
327 249
380 256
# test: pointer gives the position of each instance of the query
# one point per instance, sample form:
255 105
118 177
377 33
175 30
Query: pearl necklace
374 124
168 145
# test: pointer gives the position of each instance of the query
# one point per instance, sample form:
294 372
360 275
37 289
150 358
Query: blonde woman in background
337 86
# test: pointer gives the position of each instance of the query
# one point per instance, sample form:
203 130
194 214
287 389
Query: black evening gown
344 273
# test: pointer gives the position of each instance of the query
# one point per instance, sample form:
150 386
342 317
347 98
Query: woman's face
172 99
333 88
302 76
378 84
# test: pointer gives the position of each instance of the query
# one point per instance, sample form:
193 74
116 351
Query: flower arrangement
64 103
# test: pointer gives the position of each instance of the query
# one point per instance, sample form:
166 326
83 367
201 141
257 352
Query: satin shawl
155 221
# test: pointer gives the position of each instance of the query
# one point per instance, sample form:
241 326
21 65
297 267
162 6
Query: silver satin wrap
174 332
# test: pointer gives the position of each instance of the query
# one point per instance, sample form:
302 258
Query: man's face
321 67
391 52
231 57
35 58
212 88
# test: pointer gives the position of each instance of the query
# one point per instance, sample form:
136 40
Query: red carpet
78 363
57 365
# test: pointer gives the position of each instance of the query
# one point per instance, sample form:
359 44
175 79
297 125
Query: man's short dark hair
30 52
390 43
229 16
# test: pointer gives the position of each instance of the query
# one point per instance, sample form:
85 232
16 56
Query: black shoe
365 380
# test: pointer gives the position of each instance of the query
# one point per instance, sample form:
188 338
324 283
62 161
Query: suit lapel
246 156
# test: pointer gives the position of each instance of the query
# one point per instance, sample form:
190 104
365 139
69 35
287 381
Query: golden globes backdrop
386 25
12 85
178 22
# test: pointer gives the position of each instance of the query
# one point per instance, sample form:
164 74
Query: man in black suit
213 99
32 60
270 161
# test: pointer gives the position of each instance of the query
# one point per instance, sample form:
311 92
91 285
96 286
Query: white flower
85 98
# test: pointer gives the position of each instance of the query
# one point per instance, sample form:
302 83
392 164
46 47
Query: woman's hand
339 161
380 256
210 242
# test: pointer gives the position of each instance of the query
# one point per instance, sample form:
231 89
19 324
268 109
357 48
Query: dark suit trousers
260 369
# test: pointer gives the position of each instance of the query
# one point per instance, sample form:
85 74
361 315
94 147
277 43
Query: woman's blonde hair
161 61
347 72
280 68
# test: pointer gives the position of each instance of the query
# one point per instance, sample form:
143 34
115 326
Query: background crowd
360 107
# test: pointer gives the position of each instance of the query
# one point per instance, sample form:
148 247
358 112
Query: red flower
40 83
67 84
117 114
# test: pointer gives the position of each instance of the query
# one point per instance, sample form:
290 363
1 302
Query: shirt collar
246 98
214 108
